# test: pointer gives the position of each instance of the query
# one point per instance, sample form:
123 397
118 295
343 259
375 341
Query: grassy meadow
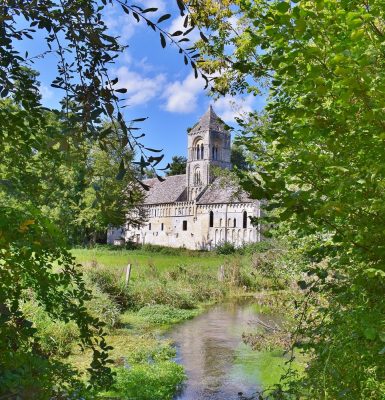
167 286
163 259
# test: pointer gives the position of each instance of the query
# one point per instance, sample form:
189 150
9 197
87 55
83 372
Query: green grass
167 286
141 259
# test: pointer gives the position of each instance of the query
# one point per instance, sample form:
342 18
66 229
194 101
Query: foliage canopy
320 165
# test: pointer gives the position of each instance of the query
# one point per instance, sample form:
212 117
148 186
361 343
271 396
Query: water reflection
218 365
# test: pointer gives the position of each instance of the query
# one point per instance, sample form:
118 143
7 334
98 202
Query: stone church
197 210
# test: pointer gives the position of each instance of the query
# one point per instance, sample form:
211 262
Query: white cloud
140 89
124 25
119 23
229 107
182 96
46 93
177 25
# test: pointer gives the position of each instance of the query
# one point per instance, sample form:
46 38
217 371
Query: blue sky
160 86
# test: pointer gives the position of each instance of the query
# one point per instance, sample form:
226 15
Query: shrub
155 292
258 247
103 306
159 381
109 281
56 337
225 248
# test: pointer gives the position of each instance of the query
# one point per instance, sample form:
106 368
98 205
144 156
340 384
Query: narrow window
211 219
198 152
244 219
161 226
235 222
149 226
202 151
184 225
213 153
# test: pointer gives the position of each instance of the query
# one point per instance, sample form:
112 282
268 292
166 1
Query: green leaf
283 7
204 38
162 40
370 333
163 18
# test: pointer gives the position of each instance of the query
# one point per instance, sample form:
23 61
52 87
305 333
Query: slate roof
209 120
172 189
221 192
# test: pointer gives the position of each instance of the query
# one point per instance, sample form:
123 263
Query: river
219 366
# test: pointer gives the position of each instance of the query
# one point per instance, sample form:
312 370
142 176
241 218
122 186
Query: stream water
219 366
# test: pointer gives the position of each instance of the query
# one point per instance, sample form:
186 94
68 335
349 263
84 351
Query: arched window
235 222
216 152
220 222
244 219
197 150
213 153
202 151
211 219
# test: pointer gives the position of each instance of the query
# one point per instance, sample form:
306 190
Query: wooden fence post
221 273
128 274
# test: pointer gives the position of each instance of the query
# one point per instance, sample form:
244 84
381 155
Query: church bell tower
208 146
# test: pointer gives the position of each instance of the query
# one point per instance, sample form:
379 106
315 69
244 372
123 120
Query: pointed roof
209 121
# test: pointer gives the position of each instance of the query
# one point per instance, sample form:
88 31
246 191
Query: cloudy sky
159 85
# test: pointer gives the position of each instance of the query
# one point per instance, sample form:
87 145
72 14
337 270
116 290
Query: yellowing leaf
357 34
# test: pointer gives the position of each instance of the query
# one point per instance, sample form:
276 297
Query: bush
159 381
56 337
258 247
171 251
225 248
163 314
104 308
109 281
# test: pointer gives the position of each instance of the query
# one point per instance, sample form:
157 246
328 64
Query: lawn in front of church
142 259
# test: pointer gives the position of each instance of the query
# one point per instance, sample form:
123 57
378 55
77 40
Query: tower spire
208 145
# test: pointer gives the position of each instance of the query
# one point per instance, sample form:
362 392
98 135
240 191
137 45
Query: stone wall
187 224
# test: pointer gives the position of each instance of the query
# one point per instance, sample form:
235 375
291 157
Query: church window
202 151
149 226
213 153
211 219
184 225
244 219
235 222
161 226
198 152
229 222
220 222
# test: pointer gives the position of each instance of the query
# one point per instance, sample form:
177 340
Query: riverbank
164 290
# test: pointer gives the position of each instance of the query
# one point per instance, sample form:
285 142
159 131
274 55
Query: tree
33 255
107 201
34 262
320 165
177 166
238 158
